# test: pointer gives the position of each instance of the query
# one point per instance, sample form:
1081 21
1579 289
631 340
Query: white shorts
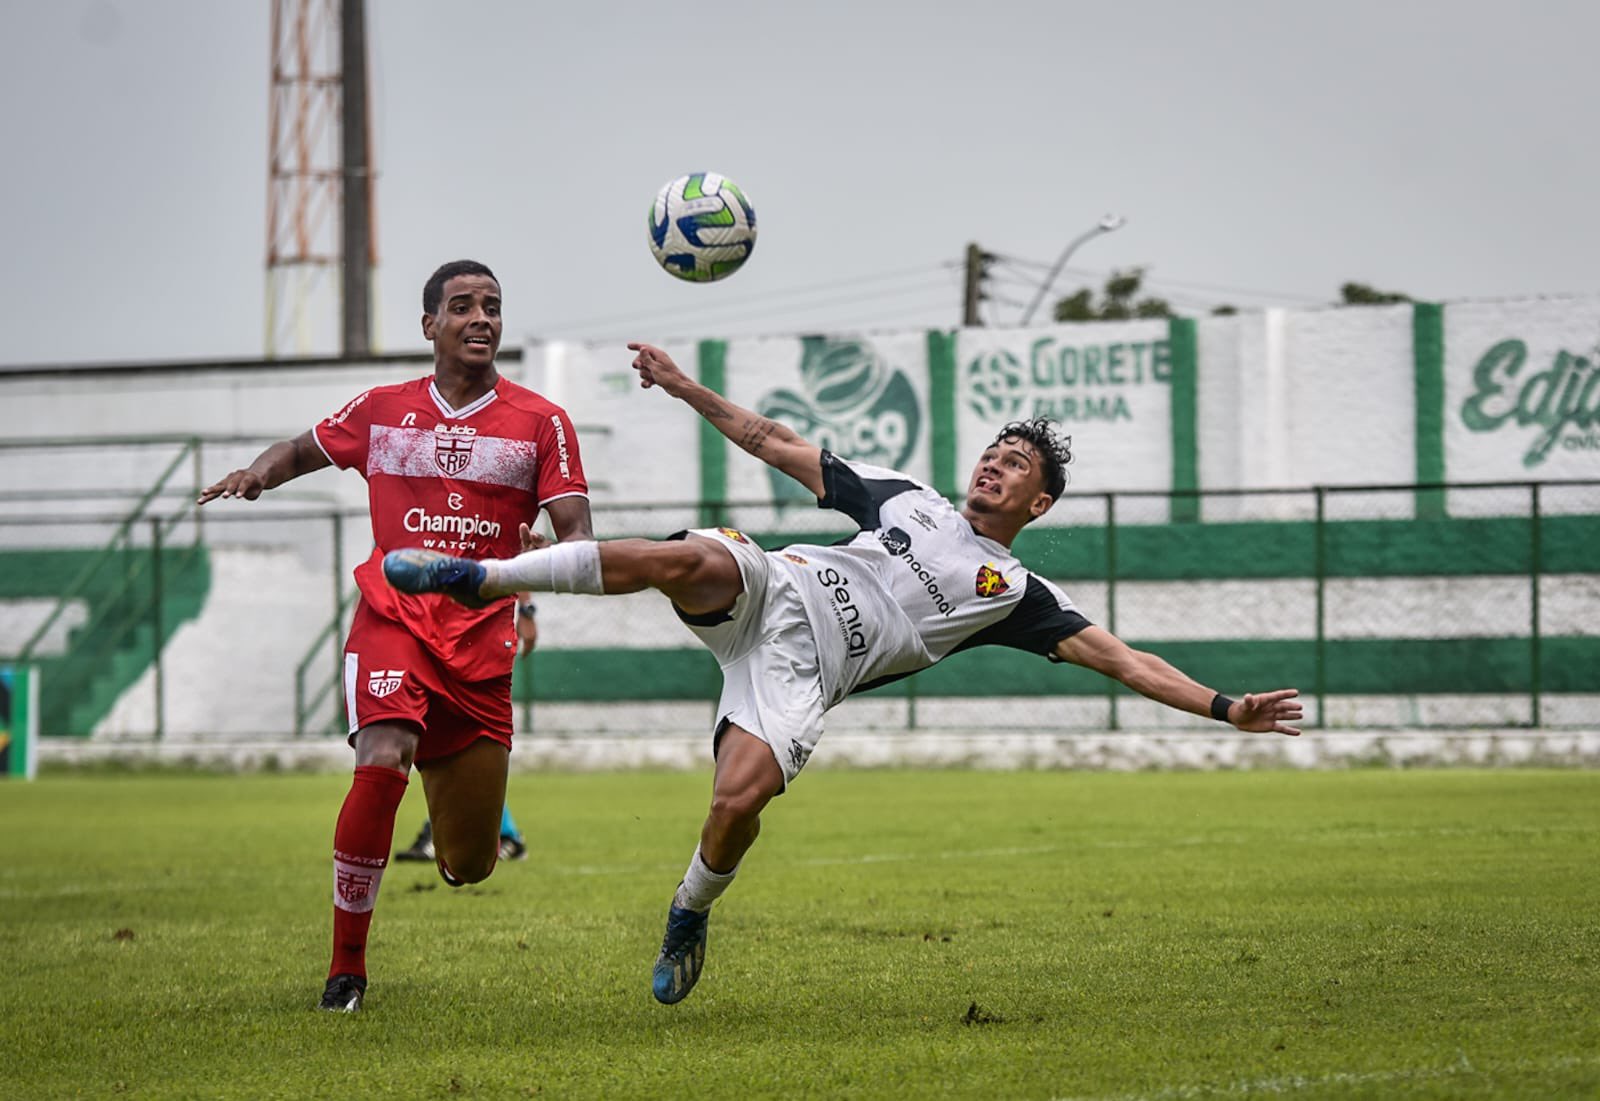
771 682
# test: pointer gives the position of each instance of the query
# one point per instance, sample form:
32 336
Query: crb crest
382 682
452 453
353 887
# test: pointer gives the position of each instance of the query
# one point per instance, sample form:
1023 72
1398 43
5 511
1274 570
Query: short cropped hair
433 289
1054 451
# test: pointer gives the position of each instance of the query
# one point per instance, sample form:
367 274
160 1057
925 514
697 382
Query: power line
880 318
832 284
1152 280
779 311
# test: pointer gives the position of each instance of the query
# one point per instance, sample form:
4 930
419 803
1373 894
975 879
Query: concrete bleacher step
106 653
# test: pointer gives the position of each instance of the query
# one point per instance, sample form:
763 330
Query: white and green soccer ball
702 227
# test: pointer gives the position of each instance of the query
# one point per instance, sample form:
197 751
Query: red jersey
454 480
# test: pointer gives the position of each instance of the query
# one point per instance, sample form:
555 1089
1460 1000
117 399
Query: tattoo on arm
755 434
710 405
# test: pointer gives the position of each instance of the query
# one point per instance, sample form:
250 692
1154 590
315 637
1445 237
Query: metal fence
1388 606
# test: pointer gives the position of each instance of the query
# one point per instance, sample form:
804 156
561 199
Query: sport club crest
990 582
353 886
381 682
736 535
451 453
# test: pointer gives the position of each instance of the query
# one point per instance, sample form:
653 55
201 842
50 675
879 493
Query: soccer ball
702 227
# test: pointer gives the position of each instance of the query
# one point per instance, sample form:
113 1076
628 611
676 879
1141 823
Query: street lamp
1104 225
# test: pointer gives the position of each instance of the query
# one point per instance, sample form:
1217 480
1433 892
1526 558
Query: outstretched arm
775 444
1098 649
279 463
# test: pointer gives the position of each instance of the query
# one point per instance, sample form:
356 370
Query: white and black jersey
914 585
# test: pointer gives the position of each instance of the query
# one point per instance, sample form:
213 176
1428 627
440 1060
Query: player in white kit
797 630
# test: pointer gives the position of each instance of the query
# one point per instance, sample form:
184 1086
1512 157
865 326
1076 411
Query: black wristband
528 610
1219 707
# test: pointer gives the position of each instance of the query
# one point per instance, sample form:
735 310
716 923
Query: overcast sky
1262 152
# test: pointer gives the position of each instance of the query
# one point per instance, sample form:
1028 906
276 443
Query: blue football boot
424 571
683 955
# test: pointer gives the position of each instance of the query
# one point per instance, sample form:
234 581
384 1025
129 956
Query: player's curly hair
1054 450
433 289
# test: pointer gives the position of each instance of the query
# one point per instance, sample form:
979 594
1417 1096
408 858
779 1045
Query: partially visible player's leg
747 779
512 846
466 796
361 839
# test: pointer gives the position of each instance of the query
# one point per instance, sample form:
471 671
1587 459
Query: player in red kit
459 461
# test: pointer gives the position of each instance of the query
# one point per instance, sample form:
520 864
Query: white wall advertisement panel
639 446
862 397
1522 390
1349 397
1106 384
1222 454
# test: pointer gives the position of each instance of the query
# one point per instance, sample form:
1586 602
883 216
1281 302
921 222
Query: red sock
361 843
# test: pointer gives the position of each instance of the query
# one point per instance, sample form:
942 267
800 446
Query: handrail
119 539
331 629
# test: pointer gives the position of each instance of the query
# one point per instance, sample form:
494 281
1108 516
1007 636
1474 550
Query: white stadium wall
1279 398
1504 391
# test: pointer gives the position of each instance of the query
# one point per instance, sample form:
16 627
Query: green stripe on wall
1456 666
713 371
1183 339
574 675
942 411
1427 351
1481 545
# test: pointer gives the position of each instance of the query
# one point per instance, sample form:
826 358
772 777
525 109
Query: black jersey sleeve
1036 624
848 490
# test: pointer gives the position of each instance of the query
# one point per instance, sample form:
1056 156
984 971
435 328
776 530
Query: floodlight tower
320 225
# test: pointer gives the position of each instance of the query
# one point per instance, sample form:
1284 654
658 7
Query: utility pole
977 270
358 258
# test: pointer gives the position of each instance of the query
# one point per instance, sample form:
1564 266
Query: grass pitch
1365 934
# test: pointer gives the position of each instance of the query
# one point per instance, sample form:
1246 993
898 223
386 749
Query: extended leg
695 573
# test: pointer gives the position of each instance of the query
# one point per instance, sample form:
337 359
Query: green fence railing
125 586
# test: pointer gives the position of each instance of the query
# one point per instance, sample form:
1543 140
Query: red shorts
390 676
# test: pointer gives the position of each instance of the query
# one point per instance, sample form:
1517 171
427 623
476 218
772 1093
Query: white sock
701 886
563 568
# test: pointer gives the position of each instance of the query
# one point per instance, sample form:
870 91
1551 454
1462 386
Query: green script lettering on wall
1564 400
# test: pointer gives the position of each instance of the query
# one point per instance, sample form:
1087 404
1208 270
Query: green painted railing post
1321 567
197 472
1535 569
1111 594
156 596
